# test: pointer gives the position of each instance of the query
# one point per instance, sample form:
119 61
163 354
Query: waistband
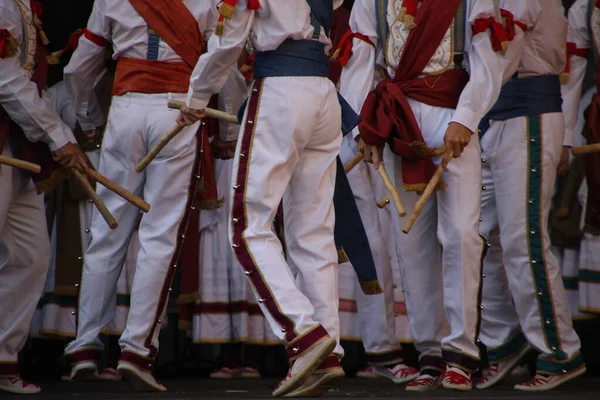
536 95
150 77
292 58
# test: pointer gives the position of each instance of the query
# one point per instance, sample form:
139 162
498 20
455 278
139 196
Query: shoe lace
406 371
14 381
491 372
457 379
422 382
537 380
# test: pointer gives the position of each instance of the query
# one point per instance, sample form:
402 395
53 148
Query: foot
248 373
17 385
142 381
367 373
497 373
110 374
425 383
223 373
521 372
457 379
304 366
399 373
327 376
541 383
85 371
66 377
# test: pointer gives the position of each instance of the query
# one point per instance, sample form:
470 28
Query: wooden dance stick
383 202
435 179
158 148
13 162
587 149
89 190
392 190
210 112
354 162
119 190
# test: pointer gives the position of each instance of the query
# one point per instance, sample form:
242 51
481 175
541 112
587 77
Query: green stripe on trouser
538 263
507 350
589 276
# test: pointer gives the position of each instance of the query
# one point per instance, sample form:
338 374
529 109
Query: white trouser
24 261
287 151
375 312
136 122
589 274
521 156
443 285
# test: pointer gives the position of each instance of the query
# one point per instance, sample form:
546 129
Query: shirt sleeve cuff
56 139
197 101
467 118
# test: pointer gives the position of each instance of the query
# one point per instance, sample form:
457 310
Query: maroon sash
386 113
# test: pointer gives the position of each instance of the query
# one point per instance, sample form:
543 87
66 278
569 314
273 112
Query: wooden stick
89 190
13 162
119 190
157 149
383 202
392 190
587 149
353 163
435 179
210 112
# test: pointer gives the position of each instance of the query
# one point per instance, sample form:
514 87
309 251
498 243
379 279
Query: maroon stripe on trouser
240 219
9 369
391 357
306 342
330 362
84 355
142 362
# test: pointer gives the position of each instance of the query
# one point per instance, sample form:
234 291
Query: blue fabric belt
300 58
524 97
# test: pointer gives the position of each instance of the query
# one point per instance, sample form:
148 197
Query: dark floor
581 389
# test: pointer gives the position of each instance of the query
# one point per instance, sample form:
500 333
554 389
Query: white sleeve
20 98
231 97
85 65
356 81
213 67
571 92
486 69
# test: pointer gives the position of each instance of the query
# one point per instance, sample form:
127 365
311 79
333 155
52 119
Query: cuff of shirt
467 118
197 101
56 139
569 138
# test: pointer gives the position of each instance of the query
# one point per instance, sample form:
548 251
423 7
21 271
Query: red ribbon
73 41
510 23
411 6
253 4
92 37
573 50
4 37
497 33
37 8
345 46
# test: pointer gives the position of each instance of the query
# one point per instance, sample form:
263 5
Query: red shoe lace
455 378
14 381
492 371
538 380
421 382
288 376
404 372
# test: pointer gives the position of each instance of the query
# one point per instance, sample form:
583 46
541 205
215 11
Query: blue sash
525 97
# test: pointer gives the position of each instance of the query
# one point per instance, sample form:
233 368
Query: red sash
339 27
591 131
37 153
386 113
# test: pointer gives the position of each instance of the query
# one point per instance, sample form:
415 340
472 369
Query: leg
24 262
105 255
523 207
459 209
270 155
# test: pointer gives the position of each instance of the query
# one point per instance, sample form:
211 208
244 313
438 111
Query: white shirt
120 24
484 65
18 94
268 27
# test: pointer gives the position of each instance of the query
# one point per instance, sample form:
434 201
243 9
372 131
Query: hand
563 163
371 153
457 137
223 150
189 116
71 156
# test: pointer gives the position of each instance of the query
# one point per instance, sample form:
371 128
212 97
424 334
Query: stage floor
581 389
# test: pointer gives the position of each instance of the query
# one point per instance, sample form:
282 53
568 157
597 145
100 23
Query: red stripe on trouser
9 369
296 344
166 289
142 362
84 355
330 362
